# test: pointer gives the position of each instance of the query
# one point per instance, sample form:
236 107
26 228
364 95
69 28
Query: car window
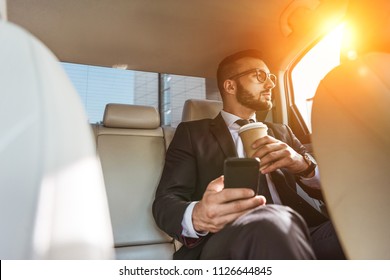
307 73
98 86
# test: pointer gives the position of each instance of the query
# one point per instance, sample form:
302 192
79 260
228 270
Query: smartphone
242 173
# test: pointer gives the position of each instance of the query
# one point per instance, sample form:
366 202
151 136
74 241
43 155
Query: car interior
75 189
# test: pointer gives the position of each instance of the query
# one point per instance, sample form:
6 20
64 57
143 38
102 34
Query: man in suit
192 205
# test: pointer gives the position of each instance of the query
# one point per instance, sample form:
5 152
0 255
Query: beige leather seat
132 150
196 109
3 9
52 198
351 140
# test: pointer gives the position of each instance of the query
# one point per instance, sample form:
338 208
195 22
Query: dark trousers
273 232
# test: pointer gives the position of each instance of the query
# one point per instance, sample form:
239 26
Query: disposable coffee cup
249 133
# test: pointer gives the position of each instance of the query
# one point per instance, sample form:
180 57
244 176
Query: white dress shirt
230 119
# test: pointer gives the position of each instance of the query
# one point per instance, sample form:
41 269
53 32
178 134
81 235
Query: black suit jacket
195 157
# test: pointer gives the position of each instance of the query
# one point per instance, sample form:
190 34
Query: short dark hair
227 66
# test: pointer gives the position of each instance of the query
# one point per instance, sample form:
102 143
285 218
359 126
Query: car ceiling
173 36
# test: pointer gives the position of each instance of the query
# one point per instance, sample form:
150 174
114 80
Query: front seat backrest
351 140
52 198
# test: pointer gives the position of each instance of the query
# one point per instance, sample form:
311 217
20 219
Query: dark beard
245 98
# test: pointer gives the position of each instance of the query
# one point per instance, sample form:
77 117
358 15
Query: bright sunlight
312 68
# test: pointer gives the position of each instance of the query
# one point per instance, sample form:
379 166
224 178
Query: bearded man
192 205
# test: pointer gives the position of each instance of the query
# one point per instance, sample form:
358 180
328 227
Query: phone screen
242 173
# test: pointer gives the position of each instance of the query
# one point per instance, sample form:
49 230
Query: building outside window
98 86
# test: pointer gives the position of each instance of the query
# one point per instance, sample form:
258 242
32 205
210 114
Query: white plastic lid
252 125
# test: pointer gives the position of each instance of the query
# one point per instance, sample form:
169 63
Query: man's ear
229 86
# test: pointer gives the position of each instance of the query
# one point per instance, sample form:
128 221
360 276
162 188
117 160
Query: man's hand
276 154
220 206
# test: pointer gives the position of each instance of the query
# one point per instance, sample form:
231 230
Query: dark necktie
284 182
242 122
263 186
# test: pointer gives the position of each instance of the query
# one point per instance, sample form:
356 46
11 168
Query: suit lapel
270 132
220 131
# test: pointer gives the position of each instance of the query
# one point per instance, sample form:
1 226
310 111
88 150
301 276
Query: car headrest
196 109
351 141
3 10
131 116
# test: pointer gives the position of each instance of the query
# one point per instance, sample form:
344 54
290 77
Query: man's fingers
264 141
219 222
216 185
241 205
215 191
220 206
231 194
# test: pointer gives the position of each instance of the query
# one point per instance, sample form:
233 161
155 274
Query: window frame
295 119
171 89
